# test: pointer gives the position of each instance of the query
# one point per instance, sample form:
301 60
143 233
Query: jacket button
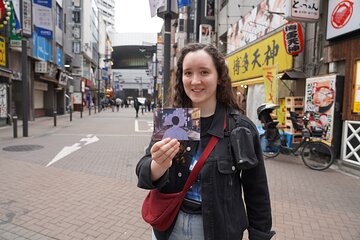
233 168
179 174
188 149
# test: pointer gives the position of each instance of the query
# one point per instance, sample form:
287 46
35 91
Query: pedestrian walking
136 106
214 207
118 103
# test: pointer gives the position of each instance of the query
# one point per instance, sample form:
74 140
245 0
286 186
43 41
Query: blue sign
44 32
182 3
45 3
42 48
59 56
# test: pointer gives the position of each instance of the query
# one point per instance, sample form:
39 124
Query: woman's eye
204 73
187 74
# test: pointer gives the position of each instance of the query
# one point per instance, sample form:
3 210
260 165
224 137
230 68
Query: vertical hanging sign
293 38
26 20
2 52
269 74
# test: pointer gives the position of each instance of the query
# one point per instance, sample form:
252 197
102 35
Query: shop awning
5 72
259 80
293 75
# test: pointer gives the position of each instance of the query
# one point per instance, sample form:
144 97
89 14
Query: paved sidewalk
92 194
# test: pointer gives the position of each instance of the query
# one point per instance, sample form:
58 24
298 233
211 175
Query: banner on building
356 107
270 83
255 24
343 17
43 20
293 38
2 52
27 18
302 10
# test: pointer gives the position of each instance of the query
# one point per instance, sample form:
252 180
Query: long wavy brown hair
224 92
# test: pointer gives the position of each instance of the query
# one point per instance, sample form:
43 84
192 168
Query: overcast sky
134 16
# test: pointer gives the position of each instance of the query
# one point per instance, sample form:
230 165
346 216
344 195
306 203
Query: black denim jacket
224 214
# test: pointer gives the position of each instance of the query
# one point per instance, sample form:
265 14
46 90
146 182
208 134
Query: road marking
89 139
149 123
64 152
70 149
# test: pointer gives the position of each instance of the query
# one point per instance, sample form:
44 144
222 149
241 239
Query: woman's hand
162 153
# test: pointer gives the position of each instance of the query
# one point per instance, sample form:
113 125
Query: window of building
59 17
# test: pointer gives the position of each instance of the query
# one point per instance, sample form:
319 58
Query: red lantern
293 38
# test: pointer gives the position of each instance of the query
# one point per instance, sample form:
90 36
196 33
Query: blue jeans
187 227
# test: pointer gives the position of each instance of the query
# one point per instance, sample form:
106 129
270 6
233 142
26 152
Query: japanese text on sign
293 38
249 62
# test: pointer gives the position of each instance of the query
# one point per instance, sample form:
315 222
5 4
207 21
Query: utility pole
24 74
169 12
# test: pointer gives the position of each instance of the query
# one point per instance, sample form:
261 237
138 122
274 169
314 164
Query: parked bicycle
315 154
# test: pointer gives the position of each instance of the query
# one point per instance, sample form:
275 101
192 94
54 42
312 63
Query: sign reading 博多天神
249 62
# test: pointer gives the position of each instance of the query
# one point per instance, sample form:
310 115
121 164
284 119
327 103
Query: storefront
343 56
5 77
252 68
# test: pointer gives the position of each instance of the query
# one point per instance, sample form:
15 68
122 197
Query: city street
77 181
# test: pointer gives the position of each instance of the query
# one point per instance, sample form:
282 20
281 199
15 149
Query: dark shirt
189 205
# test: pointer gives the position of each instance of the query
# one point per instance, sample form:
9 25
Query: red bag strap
209 147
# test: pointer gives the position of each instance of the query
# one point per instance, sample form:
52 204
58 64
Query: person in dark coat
136 106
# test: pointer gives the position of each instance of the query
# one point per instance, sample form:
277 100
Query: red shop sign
293 38
342 14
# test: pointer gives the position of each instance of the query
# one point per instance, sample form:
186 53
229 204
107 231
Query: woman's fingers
164 150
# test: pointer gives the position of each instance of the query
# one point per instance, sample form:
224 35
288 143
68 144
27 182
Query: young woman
213 208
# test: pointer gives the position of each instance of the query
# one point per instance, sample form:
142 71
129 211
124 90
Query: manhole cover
22 148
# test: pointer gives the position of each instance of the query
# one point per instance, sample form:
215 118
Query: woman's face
323 97
200 79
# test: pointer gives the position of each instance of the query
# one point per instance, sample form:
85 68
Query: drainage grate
22 148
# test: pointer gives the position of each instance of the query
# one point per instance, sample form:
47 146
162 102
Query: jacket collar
217 125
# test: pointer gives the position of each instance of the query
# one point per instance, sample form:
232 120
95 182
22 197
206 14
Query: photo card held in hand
179 123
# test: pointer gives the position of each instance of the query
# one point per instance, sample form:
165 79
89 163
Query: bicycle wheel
317 155
268 149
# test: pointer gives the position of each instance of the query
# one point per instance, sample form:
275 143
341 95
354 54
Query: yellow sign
270 82
357 89
2 52
248 63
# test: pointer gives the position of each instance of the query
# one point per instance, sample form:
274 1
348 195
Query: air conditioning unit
41 67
